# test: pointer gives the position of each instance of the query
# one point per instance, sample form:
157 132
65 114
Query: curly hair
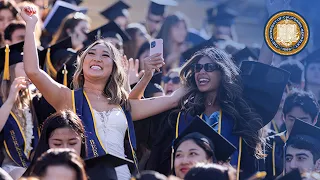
229 96
114 88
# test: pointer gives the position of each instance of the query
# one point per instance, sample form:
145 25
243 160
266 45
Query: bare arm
18 84
144 108
150 64
56 94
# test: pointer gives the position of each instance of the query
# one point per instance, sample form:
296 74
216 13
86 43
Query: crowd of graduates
80 104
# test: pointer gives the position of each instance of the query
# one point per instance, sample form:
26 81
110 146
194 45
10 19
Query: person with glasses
171 81
215 93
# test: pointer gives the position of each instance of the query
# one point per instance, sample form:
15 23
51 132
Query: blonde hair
24 99
114 88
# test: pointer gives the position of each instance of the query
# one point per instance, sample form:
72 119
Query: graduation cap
190 52
306 131
66 72
10 55
223 149
77 2
102 166
118 9
292 175
314 57
221 15
149 175
194 37
244 55
157 7
54 53
106 31
59 11
263 86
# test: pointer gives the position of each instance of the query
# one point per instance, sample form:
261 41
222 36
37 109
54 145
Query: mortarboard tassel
65 73
6 73
50 69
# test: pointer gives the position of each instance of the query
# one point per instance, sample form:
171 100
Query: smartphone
156 46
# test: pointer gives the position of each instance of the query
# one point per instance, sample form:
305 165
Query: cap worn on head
59 11
314 57
306 131
118 9
263 86
157 7
102 166
105 30
77 2
190 52
48 56
223 149
244 55
221 15
10 55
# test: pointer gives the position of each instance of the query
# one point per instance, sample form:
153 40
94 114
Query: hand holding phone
156 46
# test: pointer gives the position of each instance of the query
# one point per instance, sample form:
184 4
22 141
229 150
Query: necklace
98 95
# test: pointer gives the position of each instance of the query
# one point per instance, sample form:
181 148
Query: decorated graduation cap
221 15
263 86
244 55
157 7
103 166
118 9
223 149
108 30
10 55
53 54
59 11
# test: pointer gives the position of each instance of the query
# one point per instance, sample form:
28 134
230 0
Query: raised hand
28 14
17 85
274 6
133 71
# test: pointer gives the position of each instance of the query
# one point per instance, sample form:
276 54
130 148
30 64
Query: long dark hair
247 122
202 141
165 30
63 157
62 119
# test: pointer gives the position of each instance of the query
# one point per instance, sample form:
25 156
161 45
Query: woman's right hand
29 15
17 85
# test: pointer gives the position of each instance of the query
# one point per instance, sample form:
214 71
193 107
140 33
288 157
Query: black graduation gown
275 155
161 151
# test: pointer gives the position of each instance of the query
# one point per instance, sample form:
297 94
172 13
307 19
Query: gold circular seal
286 33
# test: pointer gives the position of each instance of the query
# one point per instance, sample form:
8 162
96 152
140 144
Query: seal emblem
286 33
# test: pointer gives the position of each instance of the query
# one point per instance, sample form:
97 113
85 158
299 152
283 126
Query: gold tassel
65 73
6 73
50 69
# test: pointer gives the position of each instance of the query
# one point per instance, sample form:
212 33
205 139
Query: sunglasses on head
208 67
175 80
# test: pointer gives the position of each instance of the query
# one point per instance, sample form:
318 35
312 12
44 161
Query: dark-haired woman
192 149
215 94
59 164
63 129
8 13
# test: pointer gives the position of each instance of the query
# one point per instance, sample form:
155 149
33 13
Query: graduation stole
15 141
82 106
225 127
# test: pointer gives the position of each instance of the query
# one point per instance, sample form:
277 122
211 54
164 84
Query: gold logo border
304 25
